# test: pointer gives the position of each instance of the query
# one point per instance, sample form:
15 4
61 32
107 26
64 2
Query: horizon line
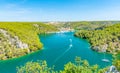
63 21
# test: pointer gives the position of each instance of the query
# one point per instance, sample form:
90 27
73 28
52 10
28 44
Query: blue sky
59 10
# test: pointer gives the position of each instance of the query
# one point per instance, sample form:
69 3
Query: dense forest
80 66
20 38
103 40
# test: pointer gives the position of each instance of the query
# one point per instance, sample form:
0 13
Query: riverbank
61 31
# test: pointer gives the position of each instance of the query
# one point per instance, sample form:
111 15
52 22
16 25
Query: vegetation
102 38
116 60
80 66
27 32
84 25
35 67
106 39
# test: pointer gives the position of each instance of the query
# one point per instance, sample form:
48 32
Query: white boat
71 45
70 40
105 60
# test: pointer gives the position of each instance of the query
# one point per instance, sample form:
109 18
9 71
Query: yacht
105 60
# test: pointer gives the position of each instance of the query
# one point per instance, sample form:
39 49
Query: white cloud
10 5
13 9
14 12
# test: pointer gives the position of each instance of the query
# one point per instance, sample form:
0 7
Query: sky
59 10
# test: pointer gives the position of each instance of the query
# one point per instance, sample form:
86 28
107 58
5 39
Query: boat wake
70 46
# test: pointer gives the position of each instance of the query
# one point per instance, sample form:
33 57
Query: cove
57 52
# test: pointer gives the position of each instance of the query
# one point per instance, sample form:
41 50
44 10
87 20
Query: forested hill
20 38
83 25
106 39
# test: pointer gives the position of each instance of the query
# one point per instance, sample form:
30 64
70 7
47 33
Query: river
59 49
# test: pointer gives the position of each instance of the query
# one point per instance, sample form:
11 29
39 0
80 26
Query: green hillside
106 39
21 34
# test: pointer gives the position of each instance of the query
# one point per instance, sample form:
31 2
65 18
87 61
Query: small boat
71 45
70 40
105 60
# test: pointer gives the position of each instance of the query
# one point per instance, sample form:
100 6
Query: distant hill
87 25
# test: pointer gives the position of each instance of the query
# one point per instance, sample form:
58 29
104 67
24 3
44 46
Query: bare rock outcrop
14 41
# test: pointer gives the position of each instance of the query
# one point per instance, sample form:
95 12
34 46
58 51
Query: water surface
57 51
